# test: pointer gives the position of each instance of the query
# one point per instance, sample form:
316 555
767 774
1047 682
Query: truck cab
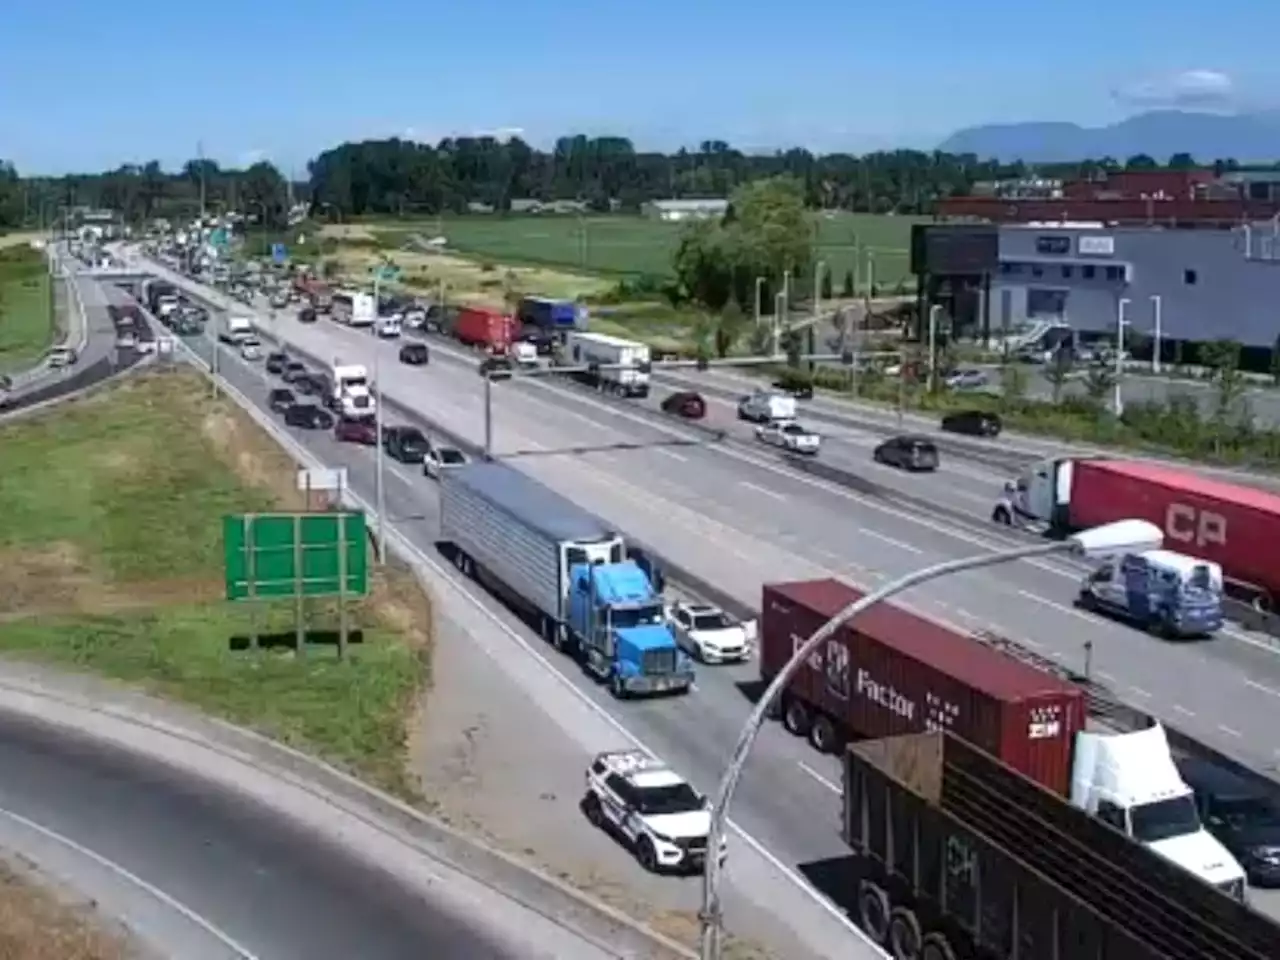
1129 781
621 629
1037 498
352 396
1162 591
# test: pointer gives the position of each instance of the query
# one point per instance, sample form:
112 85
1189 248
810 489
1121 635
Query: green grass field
620 245
111 562
25 318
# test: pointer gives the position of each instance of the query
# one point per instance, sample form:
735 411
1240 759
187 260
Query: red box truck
481 327
1236 527
890 671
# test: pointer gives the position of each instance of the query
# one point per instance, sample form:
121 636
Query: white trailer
614 364
519 539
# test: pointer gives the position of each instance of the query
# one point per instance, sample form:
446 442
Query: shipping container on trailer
1237 527
891 671
958 855
481 327
547 314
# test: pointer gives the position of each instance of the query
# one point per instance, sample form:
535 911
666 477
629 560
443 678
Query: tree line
405 178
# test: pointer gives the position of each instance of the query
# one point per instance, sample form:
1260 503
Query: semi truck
612 363
1233 526
235 330
352 396
956 854
891 671
566 572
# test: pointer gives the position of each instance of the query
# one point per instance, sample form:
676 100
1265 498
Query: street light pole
934 311
488 415
1157 305
759 299
379 468
1118 388
1113 538
779 304
818 269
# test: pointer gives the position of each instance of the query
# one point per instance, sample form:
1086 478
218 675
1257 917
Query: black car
276 362
1241 816
280 400
908 453
975 423
406 444
293 370
415 354
685 403
801 389
309 385
308 416
496 368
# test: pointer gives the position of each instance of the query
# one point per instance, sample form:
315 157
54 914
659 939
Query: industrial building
676 210
1197 285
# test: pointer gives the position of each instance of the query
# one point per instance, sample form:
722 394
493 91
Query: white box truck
613 364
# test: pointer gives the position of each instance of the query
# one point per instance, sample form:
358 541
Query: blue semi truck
567 573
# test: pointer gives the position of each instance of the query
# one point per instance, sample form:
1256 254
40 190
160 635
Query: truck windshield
638 616
1163 819
676 798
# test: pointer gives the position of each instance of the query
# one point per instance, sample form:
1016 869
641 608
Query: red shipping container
892 672
478 327
1236 527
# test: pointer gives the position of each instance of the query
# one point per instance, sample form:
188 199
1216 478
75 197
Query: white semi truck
612 363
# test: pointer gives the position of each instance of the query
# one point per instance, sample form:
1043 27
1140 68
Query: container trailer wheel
905 937
823 735
795 717
936 947
464 564
873 911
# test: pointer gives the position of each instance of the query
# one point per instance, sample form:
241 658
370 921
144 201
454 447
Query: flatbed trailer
960 857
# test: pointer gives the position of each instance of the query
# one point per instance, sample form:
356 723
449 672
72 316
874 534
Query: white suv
652 807
763 406
710 634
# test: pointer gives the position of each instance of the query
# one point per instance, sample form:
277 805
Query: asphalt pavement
737 518
199 872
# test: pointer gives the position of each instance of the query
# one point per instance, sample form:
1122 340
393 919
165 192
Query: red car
685 404
351 430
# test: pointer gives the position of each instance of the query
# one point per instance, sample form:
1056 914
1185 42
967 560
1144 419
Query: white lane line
1183 710
1060 607
875 535
1109 677
671 454
1261 686
128 876
1229 731
1138 691
762 490
819 777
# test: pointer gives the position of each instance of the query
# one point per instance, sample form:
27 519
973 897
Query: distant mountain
1247 137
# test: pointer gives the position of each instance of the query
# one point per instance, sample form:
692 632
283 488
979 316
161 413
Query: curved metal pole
710 916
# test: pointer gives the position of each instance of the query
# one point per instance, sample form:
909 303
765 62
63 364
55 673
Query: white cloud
1189 88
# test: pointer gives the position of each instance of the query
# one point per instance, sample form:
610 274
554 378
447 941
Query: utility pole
759 298
1157 305
203 186
934 311
1117 401
379 478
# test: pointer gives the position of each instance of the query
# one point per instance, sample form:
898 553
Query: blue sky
89 85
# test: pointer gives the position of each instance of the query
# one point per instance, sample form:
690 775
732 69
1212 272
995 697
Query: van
1168 593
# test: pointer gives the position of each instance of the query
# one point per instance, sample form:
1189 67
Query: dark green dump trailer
960 857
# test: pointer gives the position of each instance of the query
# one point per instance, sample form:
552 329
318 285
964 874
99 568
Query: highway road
737 518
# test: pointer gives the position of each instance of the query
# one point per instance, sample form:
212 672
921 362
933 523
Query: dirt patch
346 231
36 924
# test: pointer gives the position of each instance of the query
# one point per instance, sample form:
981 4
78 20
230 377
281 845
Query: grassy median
111 561
26 321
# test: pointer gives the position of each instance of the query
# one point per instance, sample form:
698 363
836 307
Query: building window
1006 269
1067 273
1037 271
1087 272
1053 246
1189 277
1115 273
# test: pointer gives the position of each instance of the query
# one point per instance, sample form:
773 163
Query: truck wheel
462 562
1001 515
795 717
936 947
873 911
823 735
905 938
618 688
591 807
646 855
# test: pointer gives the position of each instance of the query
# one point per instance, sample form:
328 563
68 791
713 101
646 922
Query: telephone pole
203 187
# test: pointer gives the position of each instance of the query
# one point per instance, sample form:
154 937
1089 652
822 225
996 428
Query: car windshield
284 395
637 616
297 367
712 621
449 455
413 438
1248 812
674 798
1163 819
794 429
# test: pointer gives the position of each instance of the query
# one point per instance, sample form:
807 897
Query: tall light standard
759 299
934 312
1117 402
1112 538
1157 305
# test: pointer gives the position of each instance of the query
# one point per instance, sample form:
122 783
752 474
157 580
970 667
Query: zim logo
1200 528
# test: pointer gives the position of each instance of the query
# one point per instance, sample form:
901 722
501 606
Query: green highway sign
385 272
274 555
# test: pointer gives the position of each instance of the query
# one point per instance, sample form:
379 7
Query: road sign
274 555
219 238
279 253
385 272
326 479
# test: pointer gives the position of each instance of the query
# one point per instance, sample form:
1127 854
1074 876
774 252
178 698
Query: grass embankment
37 924
111 561
26 327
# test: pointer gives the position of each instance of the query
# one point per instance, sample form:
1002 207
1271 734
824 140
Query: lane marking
763 490
1109 677
1229 731
876 535
1183 710
449 577
124 873
1249 682
1145 694
671 454
819 777
1060 607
